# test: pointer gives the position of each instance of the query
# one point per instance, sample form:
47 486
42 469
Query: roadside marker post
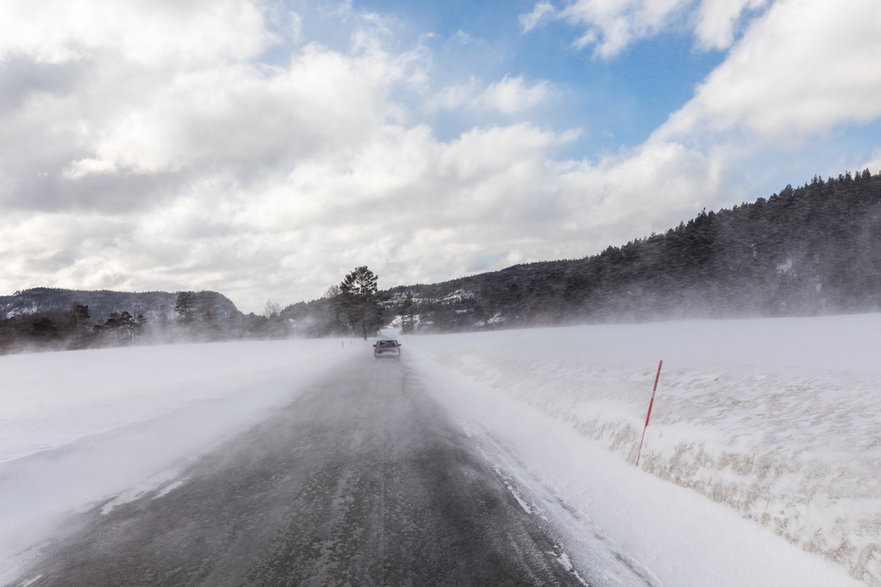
649 414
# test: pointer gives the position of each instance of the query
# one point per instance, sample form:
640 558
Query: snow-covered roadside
777 419
77 428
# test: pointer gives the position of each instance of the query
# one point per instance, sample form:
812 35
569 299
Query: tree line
811 250
201 316
354 309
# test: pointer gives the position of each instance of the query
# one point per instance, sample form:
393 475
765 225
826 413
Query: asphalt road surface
362 480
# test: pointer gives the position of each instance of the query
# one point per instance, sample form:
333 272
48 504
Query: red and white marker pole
649 414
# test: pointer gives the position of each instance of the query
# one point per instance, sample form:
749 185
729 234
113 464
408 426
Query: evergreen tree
45 328
80 314
124 327
359 295
185 307
82 332
408 314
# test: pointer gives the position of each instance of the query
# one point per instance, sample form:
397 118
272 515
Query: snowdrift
776 418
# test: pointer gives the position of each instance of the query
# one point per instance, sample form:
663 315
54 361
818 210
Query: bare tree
272 309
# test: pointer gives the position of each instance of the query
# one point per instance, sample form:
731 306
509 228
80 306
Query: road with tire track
362 480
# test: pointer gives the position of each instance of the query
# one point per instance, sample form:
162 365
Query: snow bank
777 418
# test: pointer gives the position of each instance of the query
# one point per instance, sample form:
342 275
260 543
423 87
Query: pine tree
185 307
408 314
44 328
360 298
80 314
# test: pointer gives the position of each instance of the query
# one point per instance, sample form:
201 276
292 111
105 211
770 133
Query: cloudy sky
263 148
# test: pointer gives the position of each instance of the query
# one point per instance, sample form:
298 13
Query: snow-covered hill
760 461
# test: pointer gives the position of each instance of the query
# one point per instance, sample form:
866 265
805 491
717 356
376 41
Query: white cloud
243 115
718 20
509 96
873 164
84 167
460 37
142 31
801 70
542 11
612 26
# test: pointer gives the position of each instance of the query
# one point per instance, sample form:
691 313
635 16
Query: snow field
106 426
778 419
67 395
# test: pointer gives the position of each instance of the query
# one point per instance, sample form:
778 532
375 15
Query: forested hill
810 250
46 318
155 304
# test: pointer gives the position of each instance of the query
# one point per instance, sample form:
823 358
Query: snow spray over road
80 427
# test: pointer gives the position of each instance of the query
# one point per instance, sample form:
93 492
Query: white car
387 348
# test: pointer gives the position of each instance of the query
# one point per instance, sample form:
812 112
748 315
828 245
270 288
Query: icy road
361 480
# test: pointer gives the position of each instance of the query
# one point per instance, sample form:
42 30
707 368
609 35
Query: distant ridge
804 251
102 303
